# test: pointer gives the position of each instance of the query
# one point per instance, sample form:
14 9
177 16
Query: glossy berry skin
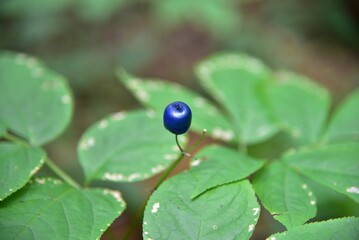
177 117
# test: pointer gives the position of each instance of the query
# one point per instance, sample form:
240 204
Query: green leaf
126 147
222 166
17 164
158 94
344 124
301 105
226 212
2 129
236 81
285 195
35 102
51 209
343 229
335 166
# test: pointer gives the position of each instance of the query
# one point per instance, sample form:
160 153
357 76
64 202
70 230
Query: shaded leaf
300 104
236 81
343 229
51 209
2 129
35 102
17 164
335 166
222 165
126 147
285 195
344 125
158 94
227 212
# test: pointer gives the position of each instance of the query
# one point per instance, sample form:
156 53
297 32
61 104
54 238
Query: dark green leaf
126 147
158 94
338 229
35 102
222 165
345 124
236 81
51 209
226 212
17 164
285 195
336 166
301 105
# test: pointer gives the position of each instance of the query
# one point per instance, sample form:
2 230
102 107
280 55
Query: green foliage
109 148
237 81
41 98
18 164
157 94
300 105
344 124
343 229
221 166
213 199
51 209
285 195
225 212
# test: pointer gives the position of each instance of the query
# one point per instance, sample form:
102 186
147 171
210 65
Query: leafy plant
216 197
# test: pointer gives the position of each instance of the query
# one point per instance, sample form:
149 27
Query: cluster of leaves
213 199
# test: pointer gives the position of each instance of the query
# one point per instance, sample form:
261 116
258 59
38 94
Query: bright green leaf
336 166
35 102
227 212
340 229
285 195
51 209
301 105
17 164
126 147
221 166
345 123
236 81
158 94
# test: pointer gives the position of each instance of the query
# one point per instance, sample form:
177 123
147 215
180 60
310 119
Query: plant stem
143 206
59 172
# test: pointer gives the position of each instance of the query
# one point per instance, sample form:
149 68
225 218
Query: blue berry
177 117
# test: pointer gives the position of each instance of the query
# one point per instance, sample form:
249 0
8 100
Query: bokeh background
87 40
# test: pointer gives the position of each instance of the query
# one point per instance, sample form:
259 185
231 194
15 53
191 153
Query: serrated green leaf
35 102
126 147
18 164
227 212
336 229
285 195
158 94
51 209
335 166
301 105
221 166
236 82
344 125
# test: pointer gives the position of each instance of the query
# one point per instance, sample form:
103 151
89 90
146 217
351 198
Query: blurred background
86 40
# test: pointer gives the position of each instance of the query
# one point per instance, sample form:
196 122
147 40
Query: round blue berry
177 117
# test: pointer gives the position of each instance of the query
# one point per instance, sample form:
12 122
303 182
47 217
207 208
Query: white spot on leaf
115 194
157 169
353 189
40 180
119 116
155 207
255 211
87 143
195 162
113 177
304 186
65 99
133 177
312 202
103 124
250 228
